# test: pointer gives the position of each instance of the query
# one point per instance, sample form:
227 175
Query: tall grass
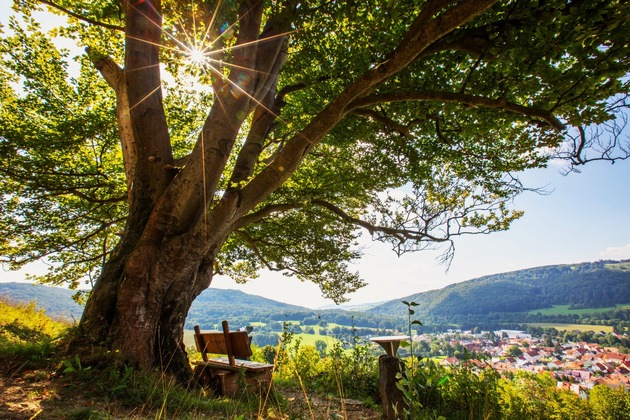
28 338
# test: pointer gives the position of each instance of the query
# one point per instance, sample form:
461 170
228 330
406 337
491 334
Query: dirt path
40 395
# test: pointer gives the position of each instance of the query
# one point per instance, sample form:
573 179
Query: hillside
589 285
209 309
214 305
56 301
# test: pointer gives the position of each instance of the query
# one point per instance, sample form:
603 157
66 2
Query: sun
196 57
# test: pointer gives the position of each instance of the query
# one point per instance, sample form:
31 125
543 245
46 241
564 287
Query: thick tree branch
462 98
264 213
141 116
419 36
109 69
271 56
115 78
388 122
190 194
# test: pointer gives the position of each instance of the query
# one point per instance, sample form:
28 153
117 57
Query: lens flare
196 57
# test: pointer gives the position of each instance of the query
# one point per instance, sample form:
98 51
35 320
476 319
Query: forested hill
56 301
208 310
592 285
214 305
211 304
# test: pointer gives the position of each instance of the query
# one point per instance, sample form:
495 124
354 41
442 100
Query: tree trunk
140 303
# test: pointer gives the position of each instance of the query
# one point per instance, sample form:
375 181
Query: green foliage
532 396
514 351
73 365
609 404
471 391
432 390
346 373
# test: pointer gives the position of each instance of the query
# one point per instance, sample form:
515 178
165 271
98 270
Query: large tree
199 138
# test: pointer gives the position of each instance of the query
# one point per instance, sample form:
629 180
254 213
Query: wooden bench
225 374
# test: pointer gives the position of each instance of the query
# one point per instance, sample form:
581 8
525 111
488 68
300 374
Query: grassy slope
19 321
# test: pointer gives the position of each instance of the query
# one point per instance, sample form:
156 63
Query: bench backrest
233 344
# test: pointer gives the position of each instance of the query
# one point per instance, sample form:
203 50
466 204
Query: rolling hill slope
599 284
591 285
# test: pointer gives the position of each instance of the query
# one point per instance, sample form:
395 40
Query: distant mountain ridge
598 284
589 285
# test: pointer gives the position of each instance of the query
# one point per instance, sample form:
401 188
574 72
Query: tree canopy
416 153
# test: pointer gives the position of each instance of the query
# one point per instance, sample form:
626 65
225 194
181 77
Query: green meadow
572 327
564 310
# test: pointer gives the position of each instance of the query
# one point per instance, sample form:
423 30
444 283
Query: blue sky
585 218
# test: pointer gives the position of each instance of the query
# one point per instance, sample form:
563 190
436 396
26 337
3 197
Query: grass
27 336
572 327
40 379
311 339
564 310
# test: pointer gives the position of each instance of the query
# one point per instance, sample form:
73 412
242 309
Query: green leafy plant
410 323
74 365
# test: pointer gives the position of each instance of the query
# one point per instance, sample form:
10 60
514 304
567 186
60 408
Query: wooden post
228 343
201 345
391 397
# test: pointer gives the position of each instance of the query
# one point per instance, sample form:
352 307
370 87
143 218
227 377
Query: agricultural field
311 339
564 310
573 327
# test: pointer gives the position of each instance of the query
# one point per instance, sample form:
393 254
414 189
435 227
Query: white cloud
616 252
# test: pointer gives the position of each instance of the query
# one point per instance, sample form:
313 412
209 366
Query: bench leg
227 383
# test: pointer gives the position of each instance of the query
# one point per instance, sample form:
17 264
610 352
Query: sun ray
236 66
250 96
212 20
257 41
144 67
146 97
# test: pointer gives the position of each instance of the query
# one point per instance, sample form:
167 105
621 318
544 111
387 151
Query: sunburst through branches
203 52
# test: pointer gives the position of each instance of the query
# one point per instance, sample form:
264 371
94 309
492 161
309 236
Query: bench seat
224 374
223 363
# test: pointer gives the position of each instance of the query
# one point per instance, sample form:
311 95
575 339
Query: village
576 366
